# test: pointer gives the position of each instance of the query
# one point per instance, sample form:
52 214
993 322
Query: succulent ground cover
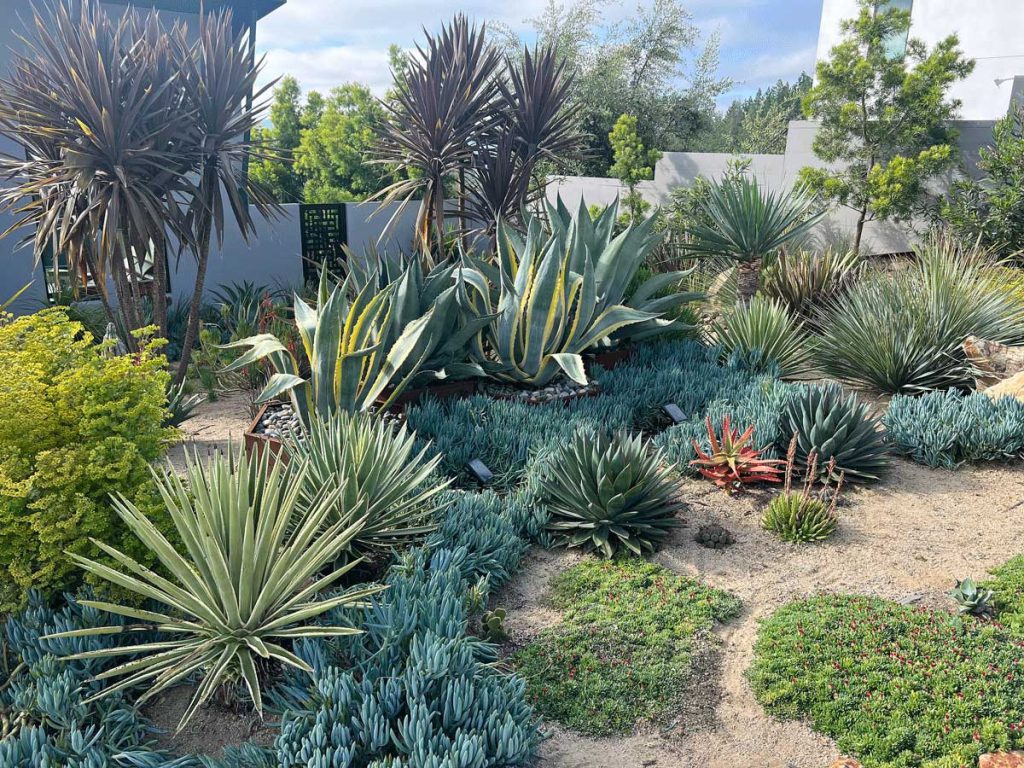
897 686
622 653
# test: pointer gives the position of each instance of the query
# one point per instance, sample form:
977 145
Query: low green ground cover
897 686
622 653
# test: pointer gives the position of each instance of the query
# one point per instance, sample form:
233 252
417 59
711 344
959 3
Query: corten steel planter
443 390
609 359
258 441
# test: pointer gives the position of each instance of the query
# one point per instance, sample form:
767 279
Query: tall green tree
633 162
276 170
758 124
656 66
884 116
334 153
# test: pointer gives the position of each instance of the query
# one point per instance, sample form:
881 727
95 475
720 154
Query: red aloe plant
732 462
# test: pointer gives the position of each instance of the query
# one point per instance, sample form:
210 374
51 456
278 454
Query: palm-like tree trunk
748 278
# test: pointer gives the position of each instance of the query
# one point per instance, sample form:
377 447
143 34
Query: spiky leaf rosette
836 426
796 517
245 583
378 475
732 461
608 493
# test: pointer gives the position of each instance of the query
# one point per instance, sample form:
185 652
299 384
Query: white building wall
989 32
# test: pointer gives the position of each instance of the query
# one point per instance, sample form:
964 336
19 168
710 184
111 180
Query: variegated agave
378 473
244 585
610 493
616 260
548 310
351 354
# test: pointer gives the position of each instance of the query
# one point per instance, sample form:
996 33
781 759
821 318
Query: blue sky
328 42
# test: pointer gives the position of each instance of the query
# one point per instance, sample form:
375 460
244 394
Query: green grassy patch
894 685
1007 584
622 652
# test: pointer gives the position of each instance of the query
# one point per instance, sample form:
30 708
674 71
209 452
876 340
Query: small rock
846 762
1002 760
649 762
911 599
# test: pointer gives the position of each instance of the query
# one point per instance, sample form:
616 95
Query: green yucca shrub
606 494
378 474
245 584
762 335
835 426
805 280
901 331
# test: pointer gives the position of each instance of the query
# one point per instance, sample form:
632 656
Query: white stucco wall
989 32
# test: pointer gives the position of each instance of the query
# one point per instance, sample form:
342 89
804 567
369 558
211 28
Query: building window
896 45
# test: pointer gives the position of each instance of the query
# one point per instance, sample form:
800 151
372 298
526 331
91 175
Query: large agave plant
243 586
351 354
838 427
445 352
545 312
378 475
610 493
616 260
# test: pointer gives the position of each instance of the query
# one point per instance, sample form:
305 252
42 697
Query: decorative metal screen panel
324 230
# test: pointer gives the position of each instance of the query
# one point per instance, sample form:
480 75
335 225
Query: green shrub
75 426
806 280
1007 585
901 331
896 686
608 494
622 653
762 335
946 429
837 426
377 473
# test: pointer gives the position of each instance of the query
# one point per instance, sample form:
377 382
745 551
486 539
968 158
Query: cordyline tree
133 137
884 116
464 118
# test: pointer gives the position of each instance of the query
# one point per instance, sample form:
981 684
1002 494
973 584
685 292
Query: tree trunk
196 305
861 220
159 297
748 278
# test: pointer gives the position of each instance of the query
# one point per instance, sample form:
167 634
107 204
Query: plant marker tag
674 412
480 471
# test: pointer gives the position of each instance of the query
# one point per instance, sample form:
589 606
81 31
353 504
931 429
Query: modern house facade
989 32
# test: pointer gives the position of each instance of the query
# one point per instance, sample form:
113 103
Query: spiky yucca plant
805 515
838 427
750 223
805 280
732 461
245 583
378 476
763 333
609 493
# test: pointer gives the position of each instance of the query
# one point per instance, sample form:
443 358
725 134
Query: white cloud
323 68
785 65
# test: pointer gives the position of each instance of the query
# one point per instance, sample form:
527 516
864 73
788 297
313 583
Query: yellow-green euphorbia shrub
75 426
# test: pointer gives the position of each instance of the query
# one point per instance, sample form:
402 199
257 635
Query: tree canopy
884 115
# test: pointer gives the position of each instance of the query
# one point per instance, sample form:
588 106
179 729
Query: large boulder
1002 760
992 361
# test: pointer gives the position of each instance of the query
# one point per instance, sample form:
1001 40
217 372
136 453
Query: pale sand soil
904 539
214 426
